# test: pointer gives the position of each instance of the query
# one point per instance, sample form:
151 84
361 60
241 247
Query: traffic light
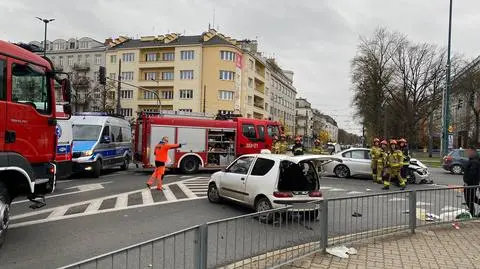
101 75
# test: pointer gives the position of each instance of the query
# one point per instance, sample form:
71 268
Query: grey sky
314 38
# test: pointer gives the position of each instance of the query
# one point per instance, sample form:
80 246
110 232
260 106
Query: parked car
357 161
268 181
455 161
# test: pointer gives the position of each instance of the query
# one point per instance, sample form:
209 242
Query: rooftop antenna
213 22
209 26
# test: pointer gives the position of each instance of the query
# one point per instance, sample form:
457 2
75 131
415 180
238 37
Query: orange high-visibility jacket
161 151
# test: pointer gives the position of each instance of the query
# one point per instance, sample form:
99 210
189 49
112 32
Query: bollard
201 247
412 207
324 224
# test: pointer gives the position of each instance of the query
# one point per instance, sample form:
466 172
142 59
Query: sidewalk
435 247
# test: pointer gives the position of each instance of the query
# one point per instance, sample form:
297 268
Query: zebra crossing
189 189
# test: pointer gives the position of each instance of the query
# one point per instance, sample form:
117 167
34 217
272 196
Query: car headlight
87 153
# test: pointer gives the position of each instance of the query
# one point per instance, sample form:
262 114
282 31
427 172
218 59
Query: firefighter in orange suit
161 157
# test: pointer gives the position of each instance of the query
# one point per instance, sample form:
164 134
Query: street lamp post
46 21
446 99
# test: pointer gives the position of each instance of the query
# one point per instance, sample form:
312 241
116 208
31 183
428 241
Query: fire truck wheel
189 165
97 169
4 212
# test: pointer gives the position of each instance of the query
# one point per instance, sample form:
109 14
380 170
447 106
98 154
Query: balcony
156 83
157 64
257 115
81 67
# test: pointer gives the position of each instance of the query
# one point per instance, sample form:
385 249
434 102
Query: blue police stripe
110 153
63 149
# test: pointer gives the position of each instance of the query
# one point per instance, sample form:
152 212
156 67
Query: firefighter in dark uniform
298 148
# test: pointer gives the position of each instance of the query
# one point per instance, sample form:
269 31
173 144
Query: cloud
314 38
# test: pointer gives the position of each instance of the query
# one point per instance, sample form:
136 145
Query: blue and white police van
100 140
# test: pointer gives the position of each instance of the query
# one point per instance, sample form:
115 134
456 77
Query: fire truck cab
28 121
207 143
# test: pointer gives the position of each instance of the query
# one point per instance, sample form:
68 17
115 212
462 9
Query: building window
186 74
149 95
225 112
185 110
167 75
126 94
250 82
128 57
187 55
227 75
168 56
126 112
127 75
79 59
186 94
87 59
70 60
167 95
151 76
250 63
151 57
113 75
84 44
250 100
113 59
98 59
225 95
227 55
95 76
60 61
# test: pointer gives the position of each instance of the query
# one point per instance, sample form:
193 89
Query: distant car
357 161
455 161
268 181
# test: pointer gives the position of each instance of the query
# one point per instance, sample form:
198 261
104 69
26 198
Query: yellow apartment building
209 73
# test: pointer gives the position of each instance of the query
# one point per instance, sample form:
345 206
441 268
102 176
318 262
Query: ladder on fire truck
196 115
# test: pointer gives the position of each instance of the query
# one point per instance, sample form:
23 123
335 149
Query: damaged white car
268 181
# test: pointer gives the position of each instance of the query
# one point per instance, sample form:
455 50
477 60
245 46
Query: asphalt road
89 217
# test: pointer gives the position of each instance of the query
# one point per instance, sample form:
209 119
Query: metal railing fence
272 238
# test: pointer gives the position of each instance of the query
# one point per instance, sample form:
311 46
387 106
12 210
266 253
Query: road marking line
94 206
186 190
185 177
397 199
122 201
355 192
52 196
169 194
335 189
27 223
147 197
325 188
60 211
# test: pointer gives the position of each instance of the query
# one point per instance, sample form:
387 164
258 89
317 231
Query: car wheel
126 162
457 169
189 165
342 171
213 195
97 169
263 204
4 212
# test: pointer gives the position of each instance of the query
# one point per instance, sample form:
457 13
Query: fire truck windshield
86 132
31 86
273 131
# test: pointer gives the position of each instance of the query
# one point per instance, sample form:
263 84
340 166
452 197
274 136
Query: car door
3 101
30 126
261 179
233 180
356 161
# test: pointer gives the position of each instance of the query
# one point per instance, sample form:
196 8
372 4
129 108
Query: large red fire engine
27 127
209 143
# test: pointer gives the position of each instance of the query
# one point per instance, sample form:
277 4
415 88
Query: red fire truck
209 143
27 127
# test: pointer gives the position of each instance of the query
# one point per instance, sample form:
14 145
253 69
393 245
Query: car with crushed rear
269 181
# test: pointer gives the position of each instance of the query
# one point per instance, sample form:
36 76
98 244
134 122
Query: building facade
331 127
282 96
208 73
81 57
304 120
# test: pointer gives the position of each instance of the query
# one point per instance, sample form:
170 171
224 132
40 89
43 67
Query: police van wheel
125 164
4 212
97 169
189 165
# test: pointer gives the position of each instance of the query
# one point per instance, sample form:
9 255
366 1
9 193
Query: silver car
356 162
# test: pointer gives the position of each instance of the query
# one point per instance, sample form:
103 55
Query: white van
63 156
100 141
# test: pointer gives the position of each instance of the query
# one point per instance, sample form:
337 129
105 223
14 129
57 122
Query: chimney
108 41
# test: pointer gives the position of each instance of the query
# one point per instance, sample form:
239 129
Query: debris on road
341 251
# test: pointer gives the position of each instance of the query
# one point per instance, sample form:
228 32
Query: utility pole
446 97
430 135
119 86
385 121
45 21
363 135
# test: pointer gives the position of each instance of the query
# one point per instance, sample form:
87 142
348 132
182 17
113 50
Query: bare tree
104 96
82 91
468 88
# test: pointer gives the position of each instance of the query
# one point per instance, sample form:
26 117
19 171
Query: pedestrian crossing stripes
193 188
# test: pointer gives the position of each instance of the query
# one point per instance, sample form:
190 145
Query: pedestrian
375 153
161 158
298 148
395 163
471 177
